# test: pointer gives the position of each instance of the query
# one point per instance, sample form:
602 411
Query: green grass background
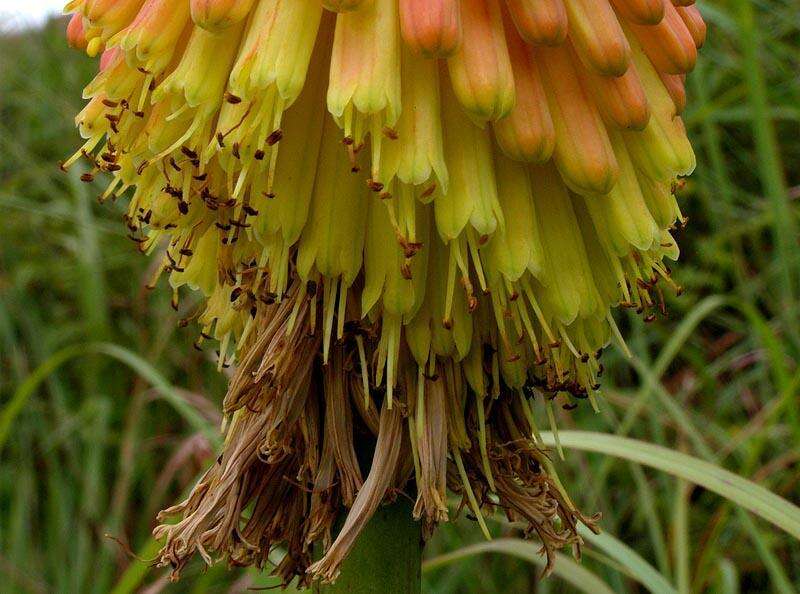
106 409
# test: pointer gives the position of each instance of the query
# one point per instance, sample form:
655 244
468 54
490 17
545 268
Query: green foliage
107 413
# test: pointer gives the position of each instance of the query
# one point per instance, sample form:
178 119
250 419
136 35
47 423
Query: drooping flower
411 222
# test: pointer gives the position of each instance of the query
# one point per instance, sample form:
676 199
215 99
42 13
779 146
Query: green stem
387 557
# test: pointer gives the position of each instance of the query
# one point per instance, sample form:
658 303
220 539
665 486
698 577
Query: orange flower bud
598 37
669 45
431 27
527 133
543 22
481 70
640 12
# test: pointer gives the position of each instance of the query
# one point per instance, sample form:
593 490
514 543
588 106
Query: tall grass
107 413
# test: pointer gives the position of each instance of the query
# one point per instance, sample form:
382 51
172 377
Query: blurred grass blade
648 508
681 545
769 161
668 353
137 571
566 569
14 406
743 492
727 577
28 387
634 565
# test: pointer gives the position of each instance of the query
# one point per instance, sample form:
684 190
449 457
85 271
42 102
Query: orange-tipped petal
621 99
153 36
527 133
76 33
365 68
431 27
111 16
598 36
640 12
481 70
676 87
694 23
669 45
543 22
583 152
216 15
661 151
108 57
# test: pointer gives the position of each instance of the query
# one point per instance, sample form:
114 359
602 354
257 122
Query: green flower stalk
409 220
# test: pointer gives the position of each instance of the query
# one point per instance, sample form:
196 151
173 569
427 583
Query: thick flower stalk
411 221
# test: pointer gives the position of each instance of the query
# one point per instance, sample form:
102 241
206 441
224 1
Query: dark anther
428 191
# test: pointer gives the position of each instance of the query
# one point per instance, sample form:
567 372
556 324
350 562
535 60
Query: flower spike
407 224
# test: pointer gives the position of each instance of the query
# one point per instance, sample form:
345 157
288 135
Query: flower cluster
410 219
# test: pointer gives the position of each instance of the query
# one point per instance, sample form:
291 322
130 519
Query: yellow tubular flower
110 16
410 222
216 15
151 39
